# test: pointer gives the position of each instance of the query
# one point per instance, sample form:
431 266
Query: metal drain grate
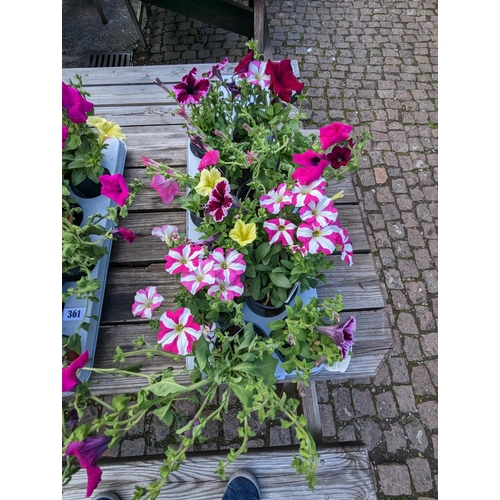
109 60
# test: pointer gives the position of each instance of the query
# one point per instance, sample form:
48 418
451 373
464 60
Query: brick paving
372 64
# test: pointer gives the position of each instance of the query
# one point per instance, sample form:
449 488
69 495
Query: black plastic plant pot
88 188
243 187
269 311
76 217
196 219
197 150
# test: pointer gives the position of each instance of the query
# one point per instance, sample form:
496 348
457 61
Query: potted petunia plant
264 230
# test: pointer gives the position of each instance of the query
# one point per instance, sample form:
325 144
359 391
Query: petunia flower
88 452
257 74
334 133
317 239
76 105
242 67
312 166
167 233
342 334
106 129
209 159
115 187
208 180
191 89
243 233
339 156
149 162
343 243
145 301
216 70
251 156
178 331
65 134
168 189
200 276
280 231
220 200
283 81
228 266
302 194
183 258
319 213
276 199
128 235
228 290
69 378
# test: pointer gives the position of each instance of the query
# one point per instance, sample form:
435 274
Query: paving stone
399 300
429 414
420 474
342 402
405 398
279 436
432 367
429 343
435 445
406 324
371 434
395 438
399 370
421 381
383 377
425 318
327 421
363 402
386 406
230 425
411 347
394 479
322 392
416 435
132 448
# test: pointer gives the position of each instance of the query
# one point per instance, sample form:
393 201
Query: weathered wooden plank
142 115
344 472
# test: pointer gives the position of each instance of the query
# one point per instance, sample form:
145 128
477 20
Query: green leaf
201 352
261 251
119 402
250 270
262 368
166 387
243 392
280 280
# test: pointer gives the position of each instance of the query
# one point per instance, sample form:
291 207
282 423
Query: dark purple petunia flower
87 453
77 106
342 334
69 378
191 89
339 156
283 81
220 200
242 67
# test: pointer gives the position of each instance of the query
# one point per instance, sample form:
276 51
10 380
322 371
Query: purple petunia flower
220 200
339 156
168 189
342 334
88 452
115 187
69 378
191 89
77 106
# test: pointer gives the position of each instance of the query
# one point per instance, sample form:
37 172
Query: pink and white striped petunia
228 291
317 239
178 331
228 267
167 233
276 199
183 258
302 194
200 276
145 301
319 213
344 245
257 74
280 231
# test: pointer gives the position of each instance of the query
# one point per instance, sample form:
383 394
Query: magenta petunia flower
242 67
115 187
183 259
228 291
128 235
209 159
65 133
77 106
343 243
276 199
339 157
200 276
280 231
334 133
319 213
178 331
149 162
312 166
283 81
88 452
69 378
168 189
216 70
229 266
145 301
191 89
220 200
342 334
317 239
302 194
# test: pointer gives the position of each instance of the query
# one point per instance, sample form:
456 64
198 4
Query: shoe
106 495
242 486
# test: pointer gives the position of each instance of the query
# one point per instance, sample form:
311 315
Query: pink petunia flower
115 187
209 159
191 89
167 233
280 231
251 156
257 74
69 378
126 234
65 134
200 276
302 194
317 239
148 162
276 199
228 291
220 200
183 259
145 301
334 133
168 189
178 331
88 452
319 213
76 105
229 266
312 166
343 243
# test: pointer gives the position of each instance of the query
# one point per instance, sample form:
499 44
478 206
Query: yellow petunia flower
106 129
208 180
243 233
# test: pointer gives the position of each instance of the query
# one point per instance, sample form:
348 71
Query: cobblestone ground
372 64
